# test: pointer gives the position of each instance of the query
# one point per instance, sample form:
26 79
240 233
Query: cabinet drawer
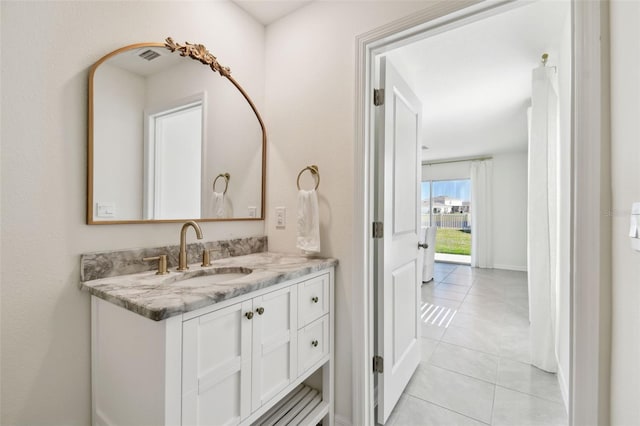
313 299
313 343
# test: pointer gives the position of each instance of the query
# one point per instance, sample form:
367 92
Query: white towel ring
226 177
314 171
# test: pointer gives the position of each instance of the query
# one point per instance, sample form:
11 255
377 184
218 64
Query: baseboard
563 388
341 420
511 268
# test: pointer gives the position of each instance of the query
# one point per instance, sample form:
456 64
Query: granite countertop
158 297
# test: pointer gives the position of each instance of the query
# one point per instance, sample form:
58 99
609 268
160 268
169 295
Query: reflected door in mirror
173 152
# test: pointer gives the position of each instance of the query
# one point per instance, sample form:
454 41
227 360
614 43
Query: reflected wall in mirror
169 140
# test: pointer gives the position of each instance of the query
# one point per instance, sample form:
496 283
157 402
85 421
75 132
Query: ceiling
475 81
269 11
131 61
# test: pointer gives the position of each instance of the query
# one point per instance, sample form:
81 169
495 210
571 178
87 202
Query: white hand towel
308 222
218 204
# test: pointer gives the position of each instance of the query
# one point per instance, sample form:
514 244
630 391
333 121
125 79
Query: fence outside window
447 220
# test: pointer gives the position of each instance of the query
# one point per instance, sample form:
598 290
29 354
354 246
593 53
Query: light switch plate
253 211
281 217
105 209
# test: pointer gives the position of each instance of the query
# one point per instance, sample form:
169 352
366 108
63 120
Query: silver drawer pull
314 299
260 310
314 343
249 315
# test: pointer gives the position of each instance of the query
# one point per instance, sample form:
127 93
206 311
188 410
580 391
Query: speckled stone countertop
158 297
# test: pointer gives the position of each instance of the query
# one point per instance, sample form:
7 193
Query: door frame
591 175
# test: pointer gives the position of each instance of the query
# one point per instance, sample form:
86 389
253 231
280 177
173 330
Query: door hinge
378 364
378 97
378 230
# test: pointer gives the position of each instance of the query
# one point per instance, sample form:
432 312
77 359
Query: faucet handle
162 263
206 260
206 256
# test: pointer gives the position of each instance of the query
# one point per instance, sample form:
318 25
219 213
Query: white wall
446 171
119 99
625 166
310 76
509 204
47 49
510 211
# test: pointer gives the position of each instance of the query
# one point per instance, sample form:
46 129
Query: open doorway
446 206
475 338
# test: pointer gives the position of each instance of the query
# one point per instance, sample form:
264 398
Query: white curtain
542 217
482 214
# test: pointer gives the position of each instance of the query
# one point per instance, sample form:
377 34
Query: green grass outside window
453 241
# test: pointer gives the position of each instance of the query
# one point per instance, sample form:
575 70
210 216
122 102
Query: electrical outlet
281 217
253 211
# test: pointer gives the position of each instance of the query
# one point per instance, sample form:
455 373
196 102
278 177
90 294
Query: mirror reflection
170 140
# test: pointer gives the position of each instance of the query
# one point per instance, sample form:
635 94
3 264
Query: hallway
475 355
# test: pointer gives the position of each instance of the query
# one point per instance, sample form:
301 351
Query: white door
398 123
173 175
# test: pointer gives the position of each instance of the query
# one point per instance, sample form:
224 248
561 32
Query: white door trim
589 388
591 222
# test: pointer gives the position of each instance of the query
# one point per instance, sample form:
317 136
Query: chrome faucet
182 258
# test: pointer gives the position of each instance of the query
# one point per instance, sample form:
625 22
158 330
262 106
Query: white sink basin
212 279
211 276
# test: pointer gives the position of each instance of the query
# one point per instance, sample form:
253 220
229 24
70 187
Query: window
446 204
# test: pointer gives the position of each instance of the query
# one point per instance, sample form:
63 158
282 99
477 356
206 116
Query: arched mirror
169 140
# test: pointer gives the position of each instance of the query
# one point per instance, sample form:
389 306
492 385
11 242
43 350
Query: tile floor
475 355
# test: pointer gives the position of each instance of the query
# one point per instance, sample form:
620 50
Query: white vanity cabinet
234 362
237 358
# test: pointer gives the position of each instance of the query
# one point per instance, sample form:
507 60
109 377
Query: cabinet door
216 367
274 344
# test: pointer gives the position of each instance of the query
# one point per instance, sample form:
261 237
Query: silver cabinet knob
260 310
423 245
249 315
